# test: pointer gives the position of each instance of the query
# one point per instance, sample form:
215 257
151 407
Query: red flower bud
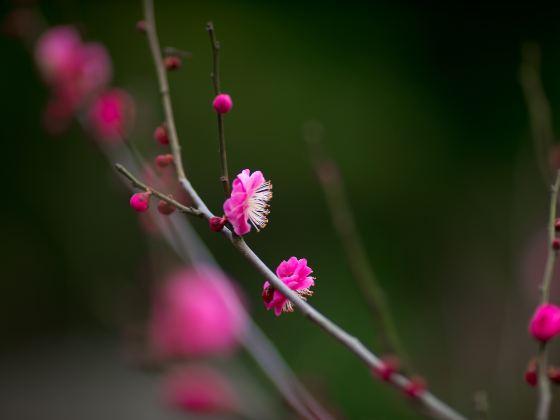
165 208
554 374
217 223
141 26
415 387
556 244
160 135
531 373
172 62
390 365
162 161
140 201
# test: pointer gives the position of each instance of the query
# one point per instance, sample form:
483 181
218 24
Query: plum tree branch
436 407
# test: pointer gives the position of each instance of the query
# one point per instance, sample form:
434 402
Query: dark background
424 113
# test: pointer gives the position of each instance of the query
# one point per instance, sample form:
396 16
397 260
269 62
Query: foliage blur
423 112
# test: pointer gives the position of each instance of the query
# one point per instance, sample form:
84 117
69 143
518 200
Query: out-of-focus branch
538 107
436 407
331 182
215 76
545 396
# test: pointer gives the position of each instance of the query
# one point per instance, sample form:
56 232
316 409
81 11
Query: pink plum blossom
295 273
197 312
200 389
248 202
545 323
222 103
111 115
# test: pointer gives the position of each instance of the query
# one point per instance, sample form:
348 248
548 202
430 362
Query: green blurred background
424 114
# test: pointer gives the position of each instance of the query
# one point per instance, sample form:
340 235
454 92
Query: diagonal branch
139 184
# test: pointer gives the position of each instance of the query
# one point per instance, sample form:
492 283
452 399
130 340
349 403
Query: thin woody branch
215 76
139 184
436 407
545 395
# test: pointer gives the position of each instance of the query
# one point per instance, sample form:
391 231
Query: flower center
258 205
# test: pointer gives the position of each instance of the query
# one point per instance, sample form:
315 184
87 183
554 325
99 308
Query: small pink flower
197 312
200 389
545 323
222 103
140 201
296 275
111 115
248 202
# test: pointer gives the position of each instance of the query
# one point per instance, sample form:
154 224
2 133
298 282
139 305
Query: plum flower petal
295 273
248 202
196 313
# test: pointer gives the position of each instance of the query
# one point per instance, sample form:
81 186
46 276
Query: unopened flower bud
222 103
217 223
165 208
390 365
557 225
172 62
140 201
415 387
161 136
531 373
141 26
545 323
556 244
554 374
163 161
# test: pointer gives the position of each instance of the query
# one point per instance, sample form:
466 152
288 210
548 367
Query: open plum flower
197 313
295 273
248 202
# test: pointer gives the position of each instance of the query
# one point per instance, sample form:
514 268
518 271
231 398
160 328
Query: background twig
215 76
331 182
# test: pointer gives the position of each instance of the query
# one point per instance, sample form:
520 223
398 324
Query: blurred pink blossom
111 115
58 54
295 273
200 389
75 72
248 203
197 312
